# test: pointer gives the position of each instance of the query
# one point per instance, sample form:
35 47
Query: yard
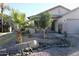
52 46
55 46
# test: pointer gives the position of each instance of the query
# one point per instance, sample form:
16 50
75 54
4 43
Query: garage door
72 26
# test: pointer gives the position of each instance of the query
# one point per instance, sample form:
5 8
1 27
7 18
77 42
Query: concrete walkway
1 34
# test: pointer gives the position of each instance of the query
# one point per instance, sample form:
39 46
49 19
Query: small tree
19 20
6 22
36 22
44 21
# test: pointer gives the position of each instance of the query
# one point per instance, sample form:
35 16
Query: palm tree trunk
2 17
2 23
18 35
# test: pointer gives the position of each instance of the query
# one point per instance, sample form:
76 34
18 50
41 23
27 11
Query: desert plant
19 20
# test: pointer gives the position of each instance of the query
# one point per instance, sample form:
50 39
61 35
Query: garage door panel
73 26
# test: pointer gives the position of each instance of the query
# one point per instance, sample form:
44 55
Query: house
69 22
56 13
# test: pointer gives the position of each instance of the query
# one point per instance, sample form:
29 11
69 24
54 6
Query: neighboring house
69 22
56 13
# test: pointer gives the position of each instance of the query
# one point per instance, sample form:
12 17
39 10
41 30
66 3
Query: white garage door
72 26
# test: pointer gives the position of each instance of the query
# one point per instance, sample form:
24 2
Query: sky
34 8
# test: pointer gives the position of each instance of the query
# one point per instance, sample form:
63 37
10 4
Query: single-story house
69 22
56 13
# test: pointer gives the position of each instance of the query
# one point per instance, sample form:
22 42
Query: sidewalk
1 34
7 39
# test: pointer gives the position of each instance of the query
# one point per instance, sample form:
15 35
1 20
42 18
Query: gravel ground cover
55 51
59 47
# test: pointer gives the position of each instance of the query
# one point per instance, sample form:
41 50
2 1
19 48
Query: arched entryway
53 25
60 28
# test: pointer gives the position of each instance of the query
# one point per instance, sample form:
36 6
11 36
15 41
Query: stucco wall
58 11
74 15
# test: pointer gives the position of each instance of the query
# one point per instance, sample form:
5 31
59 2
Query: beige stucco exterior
58 11
70 22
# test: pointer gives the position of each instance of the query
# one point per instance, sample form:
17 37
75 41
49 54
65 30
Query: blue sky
34 8
30 8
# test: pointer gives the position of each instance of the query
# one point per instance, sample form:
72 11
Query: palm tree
18 20
3 7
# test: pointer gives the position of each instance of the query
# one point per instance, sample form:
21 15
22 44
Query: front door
53 25
60 28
